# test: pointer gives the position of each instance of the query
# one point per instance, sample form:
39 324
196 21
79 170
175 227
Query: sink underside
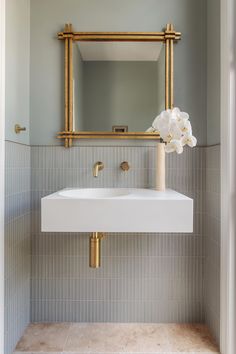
116 210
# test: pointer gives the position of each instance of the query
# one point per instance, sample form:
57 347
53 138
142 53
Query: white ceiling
120 51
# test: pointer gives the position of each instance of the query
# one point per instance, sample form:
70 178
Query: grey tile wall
144 277
212 241
17 243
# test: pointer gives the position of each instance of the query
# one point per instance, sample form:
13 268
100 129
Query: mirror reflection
118 86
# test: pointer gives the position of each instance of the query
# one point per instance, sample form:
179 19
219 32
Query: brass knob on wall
125 166
19 129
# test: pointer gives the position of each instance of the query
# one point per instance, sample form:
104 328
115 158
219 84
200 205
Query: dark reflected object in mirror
120 128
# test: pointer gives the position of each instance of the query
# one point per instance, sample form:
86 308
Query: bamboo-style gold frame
169 36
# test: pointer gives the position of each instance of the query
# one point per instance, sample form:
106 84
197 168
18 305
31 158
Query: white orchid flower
189 139
185 126
166 135
161 121
182 115
174 145
174 129
178 115
150 130
176 111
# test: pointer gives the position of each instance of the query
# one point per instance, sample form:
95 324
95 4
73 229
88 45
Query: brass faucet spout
98 166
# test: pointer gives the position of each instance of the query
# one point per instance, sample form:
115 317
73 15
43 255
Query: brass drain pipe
95 249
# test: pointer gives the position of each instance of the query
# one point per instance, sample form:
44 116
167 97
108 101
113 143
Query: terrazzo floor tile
190 338
126 338
44 337
116 338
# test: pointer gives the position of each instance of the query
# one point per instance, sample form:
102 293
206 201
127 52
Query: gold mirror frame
169 36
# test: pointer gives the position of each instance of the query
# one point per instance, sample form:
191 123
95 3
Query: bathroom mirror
116 83
118 86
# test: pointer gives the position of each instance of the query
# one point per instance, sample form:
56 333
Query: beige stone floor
107 338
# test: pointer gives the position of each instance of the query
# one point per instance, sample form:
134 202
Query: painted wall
17 68
212 242
212 223
47 83
213 72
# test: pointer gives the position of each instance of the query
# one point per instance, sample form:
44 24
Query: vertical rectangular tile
137 269
17 243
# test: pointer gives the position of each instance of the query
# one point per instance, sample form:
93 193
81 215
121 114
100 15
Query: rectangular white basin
116 210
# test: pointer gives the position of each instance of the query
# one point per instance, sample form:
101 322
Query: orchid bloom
189 140
175 130
174 145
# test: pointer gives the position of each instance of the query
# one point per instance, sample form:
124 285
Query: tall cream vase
160 168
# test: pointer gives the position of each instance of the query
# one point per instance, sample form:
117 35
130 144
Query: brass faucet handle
125 166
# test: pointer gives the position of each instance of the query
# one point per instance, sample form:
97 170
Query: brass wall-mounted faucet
98 166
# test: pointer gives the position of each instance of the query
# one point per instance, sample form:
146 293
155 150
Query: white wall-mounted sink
116 210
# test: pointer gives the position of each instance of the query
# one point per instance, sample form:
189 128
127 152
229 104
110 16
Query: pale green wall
213 72
17 68
119 93
47 84
46 114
